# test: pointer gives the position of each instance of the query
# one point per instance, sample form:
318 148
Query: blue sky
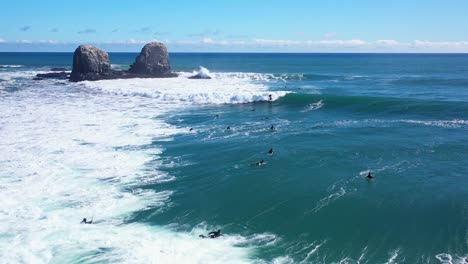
233 26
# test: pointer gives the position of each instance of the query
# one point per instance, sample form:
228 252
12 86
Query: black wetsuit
84 221
215 234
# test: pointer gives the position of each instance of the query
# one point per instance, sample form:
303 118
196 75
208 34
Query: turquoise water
404 117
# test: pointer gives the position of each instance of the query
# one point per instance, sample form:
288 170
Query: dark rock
54 75
199 76
58 69
153 61
90 63
203 73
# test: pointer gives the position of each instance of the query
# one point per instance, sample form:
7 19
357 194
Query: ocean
151 162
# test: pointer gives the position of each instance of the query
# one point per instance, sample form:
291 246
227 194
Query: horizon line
254 52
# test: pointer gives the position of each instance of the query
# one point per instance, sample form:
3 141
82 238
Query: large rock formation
153 61
90 63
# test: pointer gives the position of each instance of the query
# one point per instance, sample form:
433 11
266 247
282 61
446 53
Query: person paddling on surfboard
271 151
84 221
212 234
369 176
260 163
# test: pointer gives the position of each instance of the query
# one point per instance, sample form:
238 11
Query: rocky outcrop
152 61
54 75
90 63
203 73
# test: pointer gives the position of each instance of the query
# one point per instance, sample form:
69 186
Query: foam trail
314 106
393 257
327 200
313 251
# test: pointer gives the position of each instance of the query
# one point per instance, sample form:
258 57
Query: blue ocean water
122 152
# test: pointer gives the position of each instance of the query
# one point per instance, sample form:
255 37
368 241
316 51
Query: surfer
216 116
191 129
84 221
272 127
271 151
212 234
228 128
260 163
270 98
369 176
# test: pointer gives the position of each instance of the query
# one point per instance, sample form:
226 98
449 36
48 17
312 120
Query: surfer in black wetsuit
260 163
272 128
270 98
212 234
84 221
215 234
271 151
190 129
369 176
228 128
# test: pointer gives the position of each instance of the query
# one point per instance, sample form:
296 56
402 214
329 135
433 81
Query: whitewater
71 151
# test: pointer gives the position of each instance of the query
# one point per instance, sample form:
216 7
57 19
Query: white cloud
447 44
310 43
27 41
275 45
329 35
207 41
387 42
125 42
24 41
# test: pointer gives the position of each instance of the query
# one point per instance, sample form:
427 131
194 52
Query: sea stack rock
153 61
90 63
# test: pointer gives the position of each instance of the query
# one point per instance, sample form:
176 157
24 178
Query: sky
237 26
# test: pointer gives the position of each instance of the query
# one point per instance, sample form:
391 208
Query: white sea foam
10 66
454 123
395 257
74 151
202 72
315 247
325 201
446 258
222 89
119 66
8 78
314 106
